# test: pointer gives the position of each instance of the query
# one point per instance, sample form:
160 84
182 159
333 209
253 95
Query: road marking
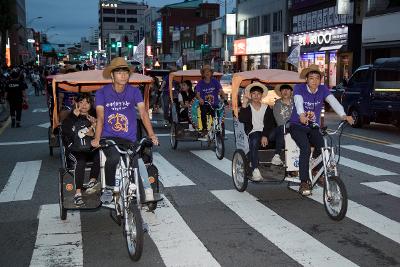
365 216
44 125
58 243
364 167
169 175
177 244
293 241
24 142
167 134
356 212
394 145
385 187
40 110
367 139
209 156
372 152
21 184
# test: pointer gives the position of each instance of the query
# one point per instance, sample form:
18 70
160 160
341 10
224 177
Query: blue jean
304 136
277 137
254 145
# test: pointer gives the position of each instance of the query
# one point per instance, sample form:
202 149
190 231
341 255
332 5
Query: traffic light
129 45
113 44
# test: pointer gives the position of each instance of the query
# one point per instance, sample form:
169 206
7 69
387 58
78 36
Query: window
266 23
387 79
132 28
131 11
120 19
108 11
120 27
121 11
131 20
108 19
359 80
245 28
254 26
241 27
277 21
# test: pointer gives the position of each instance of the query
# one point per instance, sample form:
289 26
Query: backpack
81 142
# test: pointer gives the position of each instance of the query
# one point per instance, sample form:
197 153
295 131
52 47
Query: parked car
372 93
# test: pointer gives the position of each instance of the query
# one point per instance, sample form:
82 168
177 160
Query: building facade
120 21
260 40
380 31
17 48
179 17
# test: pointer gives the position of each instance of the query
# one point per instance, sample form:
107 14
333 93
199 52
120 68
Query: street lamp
30 22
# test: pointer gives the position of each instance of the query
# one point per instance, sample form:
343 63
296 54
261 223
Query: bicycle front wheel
133 230
336 202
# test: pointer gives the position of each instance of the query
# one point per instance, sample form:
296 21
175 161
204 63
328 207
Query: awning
333 47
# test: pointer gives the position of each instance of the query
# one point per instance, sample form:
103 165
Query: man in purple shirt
116 105
208 89
305 119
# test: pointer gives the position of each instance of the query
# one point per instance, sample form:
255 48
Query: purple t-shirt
119 111
209 91
312 102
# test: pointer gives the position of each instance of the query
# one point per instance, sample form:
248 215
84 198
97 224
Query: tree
7 20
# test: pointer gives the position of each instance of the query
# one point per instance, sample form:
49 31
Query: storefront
330 49
252 53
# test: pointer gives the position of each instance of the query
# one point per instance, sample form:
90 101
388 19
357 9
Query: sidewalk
4 116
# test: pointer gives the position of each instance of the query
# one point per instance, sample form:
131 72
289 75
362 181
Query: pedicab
190 131
334 192
53 140
125 209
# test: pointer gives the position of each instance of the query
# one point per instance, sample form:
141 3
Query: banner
294 56
140 53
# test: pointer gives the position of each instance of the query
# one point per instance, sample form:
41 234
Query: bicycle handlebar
143 143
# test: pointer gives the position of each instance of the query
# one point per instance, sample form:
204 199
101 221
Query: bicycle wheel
133 230
219 146
336 204
173 141
63 211
239 169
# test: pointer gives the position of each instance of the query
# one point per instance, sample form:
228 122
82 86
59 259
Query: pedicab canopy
270 77
191 75
89 81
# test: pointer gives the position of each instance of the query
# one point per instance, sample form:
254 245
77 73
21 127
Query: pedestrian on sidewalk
15 95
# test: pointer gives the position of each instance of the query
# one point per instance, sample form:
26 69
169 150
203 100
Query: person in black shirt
15 95
185 97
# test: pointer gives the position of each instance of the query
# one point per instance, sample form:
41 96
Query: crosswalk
61 243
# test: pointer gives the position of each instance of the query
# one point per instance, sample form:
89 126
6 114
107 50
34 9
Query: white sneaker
191 128
149 196
276 160
257 175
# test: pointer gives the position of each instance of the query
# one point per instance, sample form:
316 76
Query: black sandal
78 201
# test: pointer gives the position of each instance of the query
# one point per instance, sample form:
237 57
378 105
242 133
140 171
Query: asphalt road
203 220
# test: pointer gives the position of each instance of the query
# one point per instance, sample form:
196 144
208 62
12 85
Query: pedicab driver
305 119
116 119
259 122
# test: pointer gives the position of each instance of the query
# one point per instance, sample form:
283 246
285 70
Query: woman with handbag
78 130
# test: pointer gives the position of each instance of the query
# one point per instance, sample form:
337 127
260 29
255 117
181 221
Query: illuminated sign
148 51
231 24
159 32
239 47
258 45
335 36
31 41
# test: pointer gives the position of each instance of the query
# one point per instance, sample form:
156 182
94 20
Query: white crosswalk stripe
177 244
296 243
21 184
169 175
365 168
58 243
385 187
373 152
394 145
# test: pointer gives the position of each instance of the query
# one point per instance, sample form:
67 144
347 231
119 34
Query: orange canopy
191 75
91 80
265 76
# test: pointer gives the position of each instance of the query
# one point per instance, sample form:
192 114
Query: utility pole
226 37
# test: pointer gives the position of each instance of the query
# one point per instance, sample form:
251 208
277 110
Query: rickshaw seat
271 145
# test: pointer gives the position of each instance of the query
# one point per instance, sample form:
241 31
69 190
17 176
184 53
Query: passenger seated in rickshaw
78 130
208 89
185 97
282 112
259 122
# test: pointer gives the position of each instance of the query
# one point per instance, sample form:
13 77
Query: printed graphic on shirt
119 122
118 105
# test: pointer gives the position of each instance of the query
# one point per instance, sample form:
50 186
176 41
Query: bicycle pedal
145 228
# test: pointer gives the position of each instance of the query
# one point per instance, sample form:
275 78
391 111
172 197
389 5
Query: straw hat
306 71
256 84
118 62
278 88
204 68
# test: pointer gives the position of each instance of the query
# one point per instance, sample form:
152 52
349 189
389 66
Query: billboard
231 24
239 47
159 32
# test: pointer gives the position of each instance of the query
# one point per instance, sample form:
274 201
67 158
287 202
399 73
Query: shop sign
258 45
148 51
320 38
277 44
231 24
239 47
159 32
